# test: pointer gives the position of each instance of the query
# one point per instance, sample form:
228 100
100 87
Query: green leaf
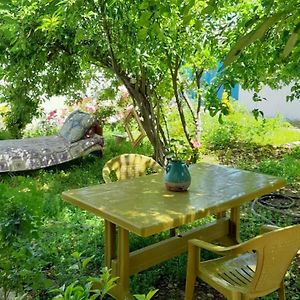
144 19
76 255
147 297
209 9
144 5
142 33
256 113
186 20
79 36
291 42
251 37
86 261
151 294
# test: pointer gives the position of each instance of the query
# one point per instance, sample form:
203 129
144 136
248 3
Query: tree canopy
158 49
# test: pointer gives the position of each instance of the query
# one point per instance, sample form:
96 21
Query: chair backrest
127 166
274 251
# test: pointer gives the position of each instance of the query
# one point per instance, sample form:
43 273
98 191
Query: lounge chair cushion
76 125
40 152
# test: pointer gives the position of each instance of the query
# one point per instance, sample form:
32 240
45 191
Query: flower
90 107
52 115
196 144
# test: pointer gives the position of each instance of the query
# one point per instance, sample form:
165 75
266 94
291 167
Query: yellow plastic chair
128 166
248 270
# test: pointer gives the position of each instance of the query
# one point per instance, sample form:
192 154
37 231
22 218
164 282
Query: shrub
242 127
5 135
21 210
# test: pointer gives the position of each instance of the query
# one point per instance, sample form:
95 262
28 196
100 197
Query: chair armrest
215 248
268 228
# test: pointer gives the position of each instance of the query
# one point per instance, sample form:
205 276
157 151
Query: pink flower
196 144
90 107
60 121
52 114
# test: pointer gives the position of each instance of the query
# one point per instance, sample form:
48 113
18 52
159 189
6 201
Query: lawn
47 243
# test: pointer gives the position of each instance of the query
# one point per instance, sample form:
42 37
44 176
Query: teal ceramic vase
177 176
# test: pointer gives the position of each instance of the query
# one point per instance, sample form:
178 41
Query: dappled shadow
145 207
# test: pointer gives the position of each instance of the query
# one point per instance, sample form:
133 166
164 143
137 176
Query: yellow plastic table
143 206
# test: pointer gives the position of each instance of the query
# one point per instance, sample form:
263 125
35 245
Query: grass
40 232
243 127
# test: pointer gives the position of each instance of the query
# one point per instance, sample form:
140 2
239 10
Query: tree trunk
149 120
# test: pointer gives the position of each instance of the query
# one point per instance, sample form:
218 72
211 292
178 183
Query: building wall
275 104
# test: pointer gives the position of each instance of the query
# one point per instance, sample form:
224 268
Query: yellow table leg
110 243
221 215
235 224
120 262
233 236
123 263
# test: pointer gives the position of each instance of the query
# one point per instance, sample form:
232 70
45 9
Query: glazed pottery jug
177 176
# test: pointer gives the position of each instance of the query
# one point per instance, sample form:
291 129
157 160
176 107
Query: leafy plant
145 297
21 269
19 216
288 167
241 127
5 135
75 291
178 149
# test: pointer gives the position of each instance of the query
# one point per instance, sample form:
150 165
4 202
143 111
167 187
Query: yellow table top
143 205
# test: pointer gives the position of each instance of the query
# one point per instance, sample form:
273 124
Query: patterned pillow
76 125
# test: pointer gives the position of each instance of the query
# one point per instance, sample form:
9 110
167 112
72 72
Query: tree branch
174 75
109 38
251 37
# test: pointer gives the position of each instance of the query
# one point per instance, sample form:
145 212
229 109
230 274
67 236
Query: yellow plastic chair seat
234 273
129 166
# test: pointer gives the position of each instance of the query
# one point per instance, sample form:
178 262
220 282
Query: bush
242 127
21 210
5 135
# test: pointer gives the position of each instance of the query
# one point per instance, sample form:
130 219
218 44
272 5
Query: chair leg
237 296
281 291
189 286
190 273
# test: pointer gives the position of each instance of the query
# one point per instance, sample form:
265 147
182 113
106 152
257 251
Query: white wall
275 104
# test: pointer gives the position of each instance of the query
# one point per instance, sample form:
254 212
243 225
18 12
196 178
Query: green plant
5 135
145 297
43 128
21 269
19 217
242 127
81 263
75 291
178 149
